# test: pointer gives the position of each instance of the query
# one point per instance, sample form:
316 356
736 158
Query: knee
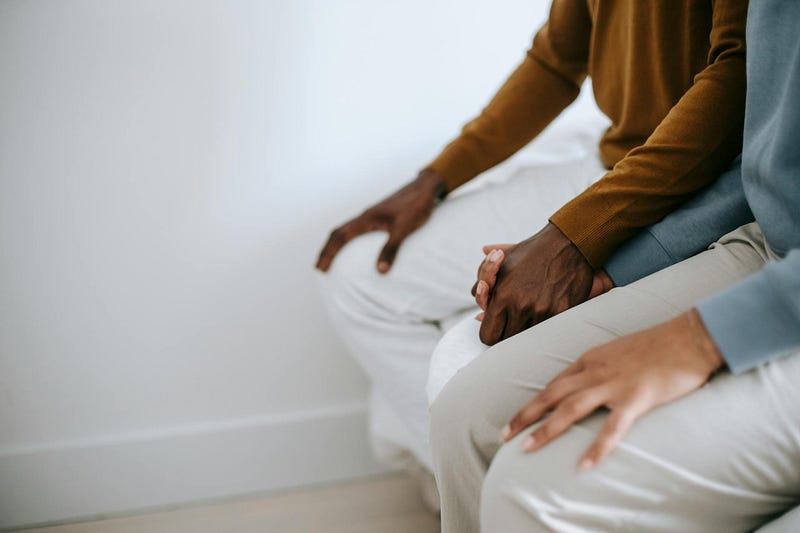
450 416
456 349
463 416
541 491
352 272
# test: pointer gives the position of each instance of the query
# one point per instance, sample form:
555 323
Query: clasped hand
523 284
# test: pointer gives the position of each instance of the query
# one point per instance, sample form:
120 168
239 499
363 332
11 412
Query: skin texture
399 215
533 280
629 376
490 267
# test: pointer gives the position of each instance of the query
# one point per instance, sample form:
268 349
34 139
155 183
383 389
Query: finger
569 411
389 252
541 313
487 271
617 424
597 287
479 316
489 247
516 322
574 368
337 239
493 324
482 294
601 284
549 397
487 263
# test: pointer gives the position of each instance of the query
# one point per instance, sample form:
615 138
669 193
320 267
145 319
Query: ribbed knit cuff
587 237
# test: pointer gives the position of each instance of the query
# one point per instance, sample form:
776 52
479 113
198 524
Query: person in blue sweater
671 402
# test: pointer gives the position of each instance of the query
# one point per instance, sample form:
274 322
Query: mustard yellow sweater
670 75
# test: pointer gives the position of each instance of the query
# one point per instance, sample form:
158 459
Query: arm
546 82
713 212
748 324
694 143
758 319
539 89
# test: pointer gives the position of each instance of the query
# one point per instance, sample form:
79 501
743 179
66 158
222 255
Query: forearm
758 319
547 81
690 229
691 147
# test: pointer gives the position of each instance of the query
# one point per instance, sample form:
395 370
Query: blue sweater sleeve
715 211
757 319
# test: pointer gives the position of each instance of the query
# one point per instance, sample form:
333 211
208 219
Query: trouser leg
391 323
787 523
711 448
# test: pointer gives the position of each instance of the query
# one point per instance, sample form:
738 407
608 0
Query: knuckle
613 426
541 308
545 432
547 396
337 235
571 407
516 306
516 422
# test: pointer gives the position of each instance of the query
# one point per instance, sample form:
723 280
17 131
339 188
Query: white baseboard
164 468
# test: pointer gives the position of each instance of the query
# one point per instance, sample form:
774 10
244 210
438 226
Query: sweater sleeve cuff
637 258
750 323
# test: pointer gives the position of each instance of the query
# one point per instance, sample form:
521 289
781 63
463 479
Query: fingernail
494 255
481 288
383 266
586 464
506 432
528 443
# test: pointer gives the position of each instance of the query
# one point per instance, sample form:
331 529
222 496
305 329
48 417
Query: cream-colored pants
391 323
724 458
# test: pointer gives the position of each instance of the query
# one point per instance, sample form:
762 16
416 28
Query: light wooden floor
385 505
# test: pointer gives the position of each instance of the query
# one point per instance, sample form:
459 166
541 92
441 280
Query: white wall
168 170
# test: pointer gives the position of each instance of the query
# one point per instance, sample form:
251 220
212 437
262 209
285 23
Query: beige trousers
724 458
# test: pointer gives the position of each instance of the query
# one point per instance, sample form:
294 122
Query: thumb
489 247
389 252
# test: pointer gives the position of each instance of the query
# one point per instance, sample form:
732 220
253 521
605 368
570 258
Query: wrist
706 347
554 234
433 182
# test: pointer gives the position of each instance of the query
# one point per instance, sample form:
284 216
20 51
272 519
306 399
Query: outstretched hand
630 376
524 284
399 215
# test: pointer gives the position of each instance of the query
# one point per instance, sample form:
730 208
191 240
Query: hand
487 274
490 266
538 278
399 215
630 376
601 284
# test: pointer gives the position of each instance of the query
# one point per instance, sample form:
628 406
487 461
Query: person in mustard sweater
669 404
670 76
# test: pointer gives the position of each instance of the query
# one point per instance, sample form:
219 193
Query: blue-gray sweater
758 318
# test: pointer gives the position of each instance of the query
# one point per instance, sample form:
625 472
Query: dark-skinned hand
538 278
490 267
399 215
